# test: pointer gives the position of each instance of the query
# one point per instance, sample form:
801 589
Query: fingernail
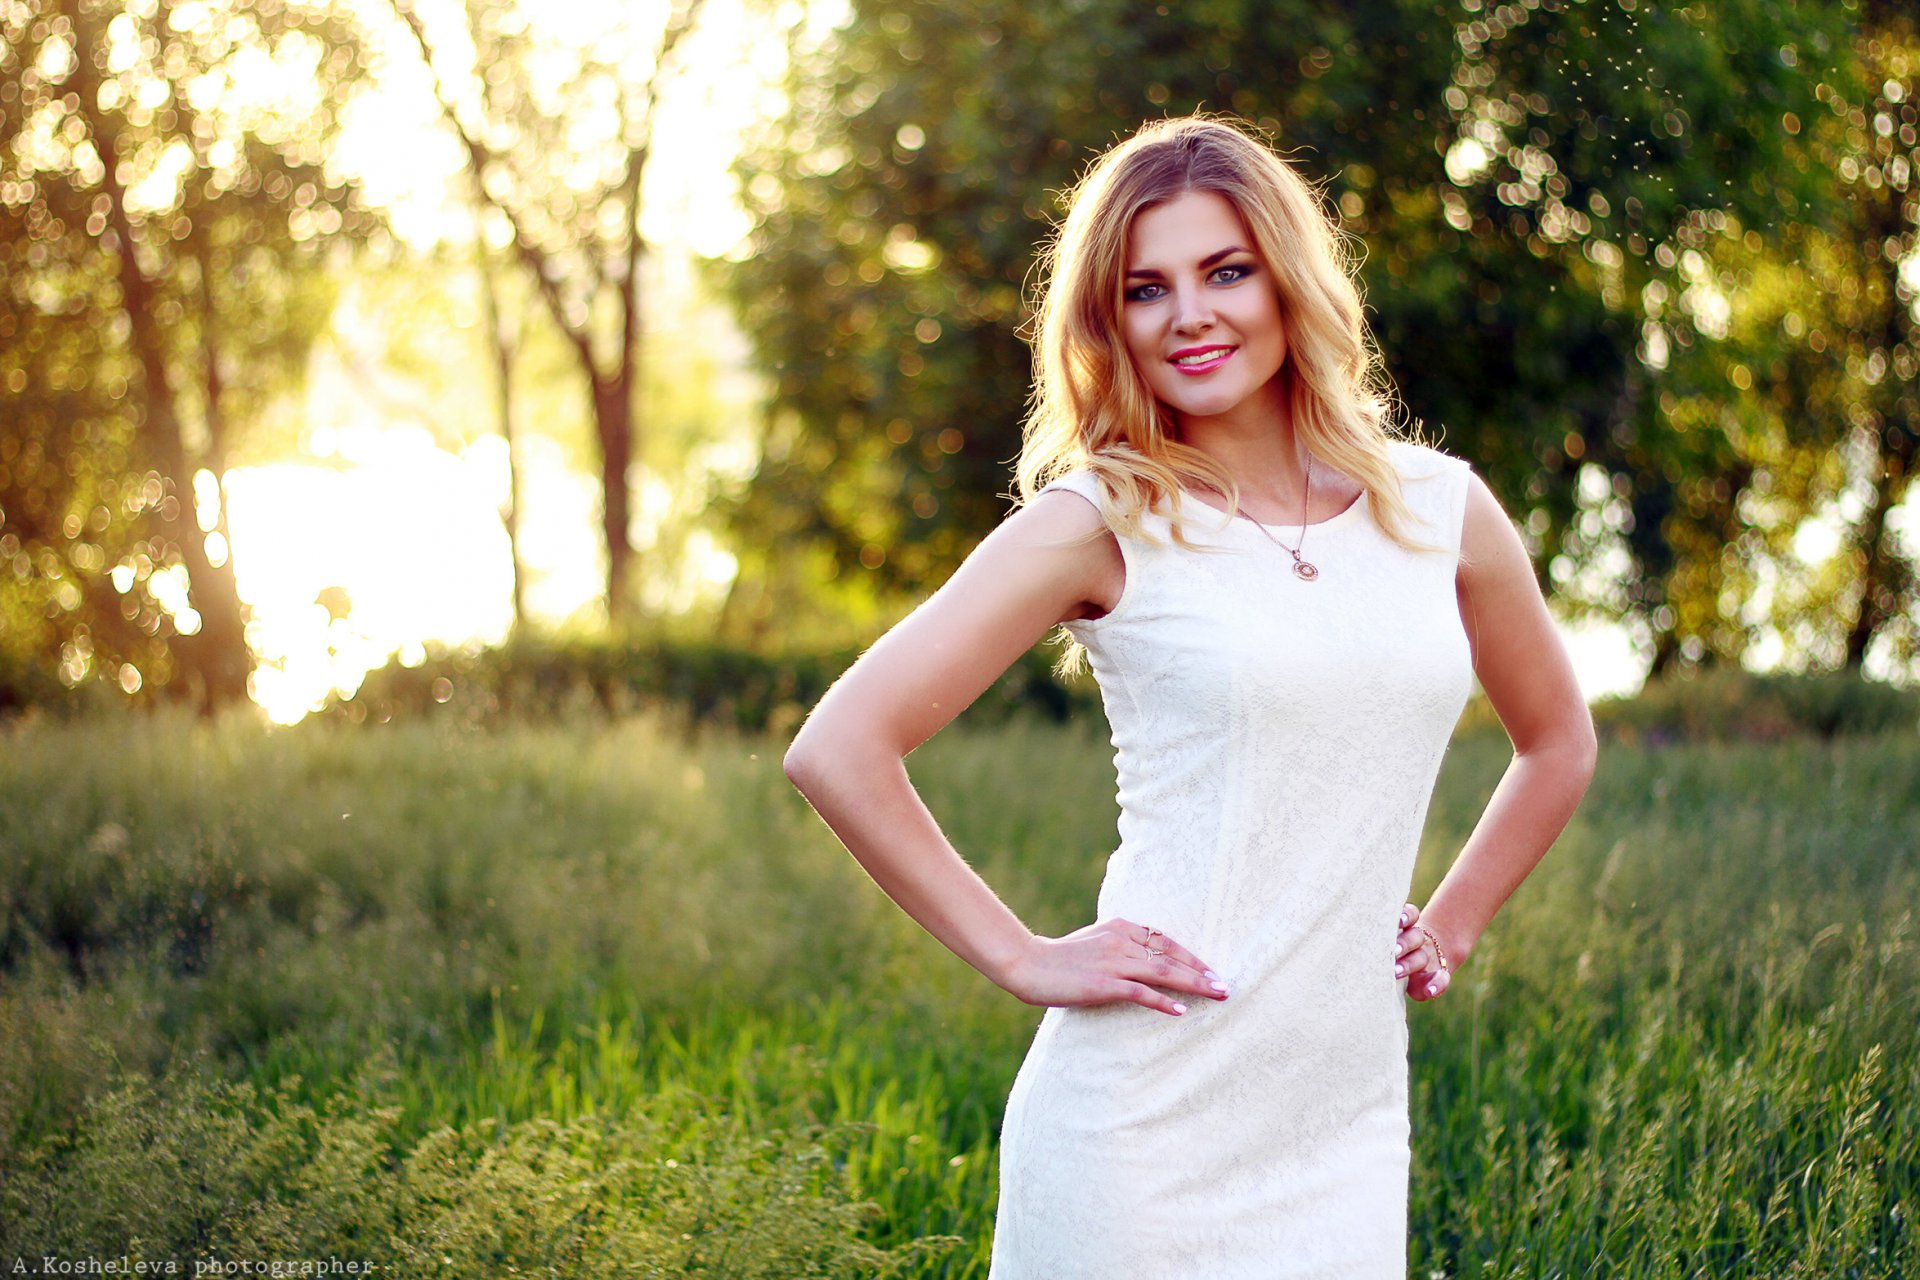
1212 976
1221 987
1399 970
1178 1007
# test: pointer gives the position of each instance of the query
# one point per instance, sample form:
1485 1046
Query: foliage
1726 704
1542 188
163 223
899 206
190 1169
701 680
1685 1047
1596 152
557 139
1786 372
73 500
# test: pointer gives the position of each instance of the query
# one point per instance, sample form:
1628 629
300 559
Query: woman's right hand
1109 962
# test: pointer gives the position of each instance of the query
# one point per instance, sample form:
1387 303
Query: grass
607 999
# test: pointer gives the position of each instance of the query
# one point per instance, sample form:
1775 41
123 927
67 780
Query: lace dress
1276 743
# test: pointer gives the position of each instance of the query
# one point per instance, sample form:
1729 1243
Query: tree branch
679 22
480 158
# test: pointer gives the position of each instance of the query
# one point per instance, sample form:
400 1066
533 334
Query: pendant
1304 570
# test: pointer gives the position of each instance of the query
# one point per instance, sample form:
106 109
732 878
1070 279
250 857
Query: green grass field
609 1000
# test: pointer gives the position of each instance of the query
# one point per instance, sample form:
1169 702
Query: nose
1193 313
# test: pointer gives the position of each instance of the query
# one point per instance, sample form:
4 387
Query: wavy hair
1093 409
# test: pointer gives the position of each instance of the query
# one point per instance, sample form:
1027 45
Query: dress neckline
1360 501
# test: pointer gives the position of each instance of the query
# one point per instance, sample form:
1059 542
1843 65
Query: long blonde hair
1092 408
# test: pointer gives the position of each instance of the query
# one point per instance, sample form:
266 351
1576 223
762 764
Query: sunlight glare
1466 160
406 539
395 142
1606 660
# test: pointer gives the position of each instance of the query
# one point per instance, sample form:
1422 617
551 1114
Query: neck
1257 445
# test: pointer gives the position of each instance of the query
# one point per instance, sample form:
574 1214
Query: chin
1212 402
1204 406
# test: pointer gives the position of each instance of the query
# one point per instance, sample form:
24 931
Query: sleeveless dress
1276 743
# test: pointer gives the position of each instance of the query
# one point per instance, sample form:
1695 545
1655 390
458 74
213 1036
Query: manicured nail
1399 971
1178 1007
1221 987
1213 977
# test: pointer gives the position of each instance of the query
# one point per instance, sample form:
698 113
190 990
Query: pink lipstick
1198 360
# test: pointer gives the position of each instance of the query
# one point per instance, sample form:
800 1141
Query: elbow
1584 748
1569 748
832 747
802 761
826 757
811 754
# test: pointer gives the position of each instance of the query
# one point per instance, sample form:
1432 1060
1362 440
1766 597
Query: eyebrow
1209 260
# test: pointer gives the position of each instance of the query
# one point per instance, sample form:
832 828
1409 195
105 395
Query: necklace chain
1305 570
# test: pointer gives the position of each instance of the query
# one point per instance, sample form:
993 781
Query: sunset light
380 541
346 566
597 679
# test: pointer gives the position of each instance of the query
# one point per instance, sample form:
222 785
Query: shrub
703 681
188 1169
1730 704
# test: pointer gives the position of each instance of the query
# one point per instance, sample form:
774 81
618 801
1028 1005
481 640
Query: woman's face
1200 311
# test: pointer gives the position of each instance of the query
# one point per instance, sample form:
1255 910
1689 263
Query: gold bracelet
1438 953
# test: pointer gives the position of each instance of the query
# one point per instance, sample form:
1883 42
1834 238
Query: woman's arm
1527 676
1037 569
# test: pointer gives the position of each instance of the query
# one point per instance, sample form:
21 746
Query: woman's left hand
1417 959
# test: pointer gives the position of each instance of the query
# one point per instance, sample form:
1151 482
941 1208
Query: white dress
1276 743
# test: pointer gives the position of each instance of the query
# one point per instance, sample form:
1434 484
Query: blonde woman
1285 608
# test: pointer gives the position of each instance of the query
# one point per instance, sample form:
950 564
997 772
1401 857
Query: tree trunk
1666 650
504 344
214 659
613 423
615 415
1878 594
222 583
1884 581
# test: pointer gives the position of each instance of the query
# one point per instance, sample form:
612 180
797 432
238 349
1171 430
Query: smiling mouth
1201 361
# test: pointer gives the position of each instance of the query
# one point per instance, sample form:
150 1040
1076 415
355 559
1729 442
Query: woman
1285 609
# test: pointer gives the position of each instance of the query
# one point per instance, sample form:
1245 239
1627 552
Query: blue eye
1235 273
1143 292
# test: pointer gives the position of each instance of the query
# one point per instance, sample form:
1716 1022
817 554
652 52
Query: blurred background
578 386
467 344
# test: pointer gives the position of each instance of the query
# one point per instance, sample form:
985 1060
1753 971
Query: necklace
1302 569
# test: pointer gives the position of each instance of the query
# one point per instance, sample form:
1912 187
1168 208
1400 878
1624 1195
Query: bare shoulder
1043 565
1057 513
1060 537
1517 651
1501 606
1490 545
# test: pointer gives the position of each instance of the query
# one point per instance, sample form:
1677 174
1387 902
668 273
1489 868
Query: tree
565 165
899 203
1622 145
503 341
1792 359
185 225
1879 163
1519 175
